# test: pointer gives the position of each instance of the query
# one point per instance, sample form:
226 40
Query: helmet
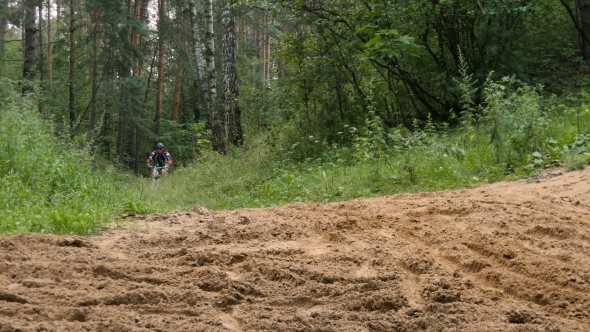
159 146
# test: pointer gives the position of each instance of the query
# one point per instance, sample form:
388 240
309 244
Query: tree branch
575 20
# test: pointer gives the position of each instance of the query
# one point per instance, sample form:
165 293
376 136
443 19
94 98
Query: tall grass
48 186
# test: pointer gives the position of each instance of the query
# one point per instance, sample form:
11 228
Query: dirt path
513 256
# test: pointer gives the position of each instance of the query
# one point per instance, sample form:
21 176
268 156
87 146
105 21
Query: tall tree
49 49
41 53
30 45
198 50
72 93
136 40
58 16
233 124
160 79
95 50
177 92
218 139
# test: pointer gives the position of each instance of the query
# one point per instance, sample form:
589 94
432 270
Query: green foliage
47 186
46 190
514 119
362 99
370 142
515 134
187 141
577 154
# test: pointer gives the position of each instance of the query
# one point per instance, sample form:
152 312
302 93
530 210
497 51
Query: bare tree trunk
134 150
150 75
257 44
58 17
136 72
121 134
198 49
41 53
30 47
177 89
82 19
266 52
159 93
282 63
233 125
94 78
49 49
218 139
72 66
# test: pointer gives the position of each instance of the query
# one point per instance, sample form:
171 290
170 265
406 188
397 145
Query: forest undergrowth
516 133
51 185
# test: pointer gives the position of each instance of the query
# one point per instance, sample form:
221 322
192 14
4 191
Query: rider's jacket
161 159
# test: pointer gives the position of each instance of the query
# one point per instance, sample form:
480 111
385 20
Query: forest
268 102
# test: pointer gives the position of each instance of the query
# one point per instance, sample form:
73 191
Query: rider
161 157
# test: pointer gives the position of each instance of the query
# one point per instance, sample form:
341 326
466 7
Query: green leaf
373 41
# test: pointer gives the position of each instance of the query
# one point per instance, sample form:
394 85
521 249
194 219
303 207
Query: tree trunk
198 49
72 66
58 16
584 8
49 49
218 139
94 78
233 125
160 84
121 133
30 47
136 72
150 75
176 98
41 53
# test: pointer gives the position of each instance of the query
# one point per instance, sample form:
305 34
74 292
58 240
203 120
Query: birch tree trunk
30 46
198 49
233 125
218 139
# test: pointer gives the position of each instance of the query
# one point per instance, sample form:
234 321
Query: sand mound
513 256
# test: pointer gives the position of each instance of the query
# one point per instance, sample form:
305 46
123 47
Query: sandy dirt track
512 256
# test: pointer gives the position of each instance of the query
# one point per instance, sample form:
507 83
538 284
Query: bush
47 186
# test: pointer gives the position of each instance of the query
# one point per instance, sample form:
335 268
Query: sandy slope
513 256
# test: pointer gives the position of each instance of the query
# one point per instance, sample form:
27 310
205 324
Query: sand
511 256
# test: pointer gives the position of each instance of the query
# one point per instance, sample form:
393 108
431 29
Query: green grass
47 186
253 179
